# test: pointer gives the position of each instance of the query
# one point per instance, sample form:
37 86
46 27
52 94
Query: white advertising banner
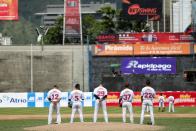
64 99
13 99
39 99
88 99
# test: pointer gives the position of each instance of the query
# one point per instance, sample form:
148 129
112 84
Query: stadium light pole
82 45
87 41
64 23
44 33
164 24
31 67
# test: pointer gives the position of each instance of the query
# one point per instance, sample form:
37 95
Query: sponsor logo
150 67
14 100
39 99
46 99
6 98
99 48
137 10
31 99
119 48
106 38
64 98
88 98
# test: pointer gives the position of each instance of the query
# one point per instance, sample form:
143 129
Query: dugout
190 75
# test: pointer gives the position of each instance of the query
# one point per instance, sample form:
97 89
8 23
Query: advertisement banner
107 38
72 17
64 99
162 49
8 9
113 50
39 99
31 99
88 97
142 9
142 49
182 98
13 100
155 37
113 98
148 65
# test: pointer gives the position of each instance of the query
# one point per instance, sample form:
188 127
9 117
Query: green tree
55 34
22 32
108 19
91 27
124 24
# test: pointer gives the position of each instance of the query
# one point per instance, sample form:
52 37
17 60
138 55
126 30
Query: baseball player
161 102
54 96
171 103
76 97
100 93
147 96
126 98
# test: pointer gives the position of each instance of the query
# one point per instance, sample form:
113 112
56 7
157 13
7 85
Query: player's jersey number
76 98
101 93
148 95
54 96
126 97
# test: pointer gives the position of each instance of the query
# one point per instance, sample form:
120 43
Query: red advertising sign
8 9
155 37
107 38
182 98
72 17
142 9
145 37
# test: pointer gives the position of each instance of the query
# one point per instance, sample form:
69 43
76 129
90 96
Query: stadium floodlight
41 32
39 38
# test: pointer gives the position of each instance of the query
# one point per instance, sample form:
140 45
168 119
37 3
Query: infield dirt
87 126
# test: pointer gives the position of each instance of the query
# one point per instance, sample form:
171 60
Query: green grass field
171 124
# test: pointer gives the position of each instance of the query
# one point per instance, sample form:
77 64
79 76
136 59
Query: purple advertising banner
148 65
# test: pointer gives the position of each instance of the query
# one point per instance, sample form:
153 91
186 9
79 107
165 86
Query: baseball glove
70 104
49 99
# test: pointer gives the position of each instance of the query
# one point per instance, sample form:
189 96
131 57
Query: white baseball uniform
127 98
171 103
161 102
76 98
55 96
101 93
148 94
147 108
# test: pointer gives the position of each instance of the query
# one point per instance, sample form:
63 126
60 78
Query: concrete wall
61 65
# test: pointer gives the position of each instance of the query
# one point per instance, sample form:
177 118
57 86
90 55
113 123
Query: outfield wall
61 65
39 99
